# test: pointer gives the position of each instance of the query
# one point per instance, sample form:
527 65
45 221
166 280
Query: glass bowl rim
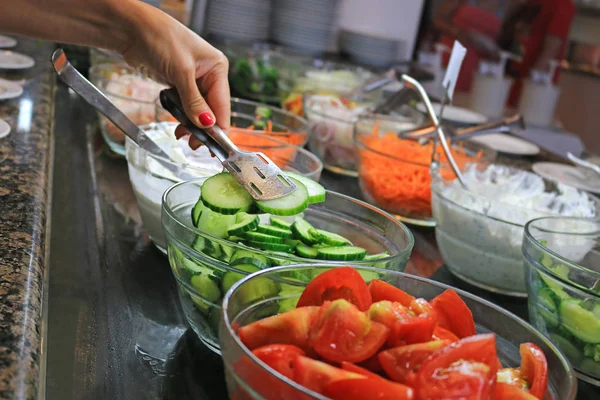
247 353
406 250
572 265
94 71
281 145
436 175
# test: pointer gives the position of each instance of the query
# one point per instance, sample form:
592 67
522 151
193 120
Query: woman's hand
173 54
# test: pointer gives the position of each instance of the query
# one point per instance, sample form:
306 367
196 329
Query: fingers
216 87
181 131
193 141
193 103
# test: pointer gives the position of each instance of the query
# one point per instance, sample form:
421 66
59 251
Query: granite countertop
25 177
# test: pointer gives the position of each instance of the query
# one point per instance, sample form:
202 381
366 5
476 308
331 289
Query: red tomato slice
412 330
342 333
505 391
337 283
381 290
368 389
534 368
346 366
470 363
453 314
315 375
372 363
387 312
440 333
400 361
291 327
280 357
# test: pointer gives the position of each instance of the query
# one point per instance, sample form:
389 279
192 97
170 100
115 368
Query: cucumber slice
213 249
274 231
224 194
249 260
199 244
215 223
329 238
343 253
546 307
244 223
301 229
573 353
306 251
373 257
231 277
227 252
280 223
206 287
316 192
271 246
193 268
555 286
197 211
582 323
291 204
263 238
241 253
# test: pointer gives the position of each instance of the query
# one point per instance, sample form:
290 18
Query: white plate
457 114
507 144
12 60
9 89
7 42
4 128
569 175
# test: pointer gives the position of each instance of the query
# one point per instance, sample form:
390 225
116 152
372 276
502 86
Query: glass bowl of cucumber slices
216 234
562 263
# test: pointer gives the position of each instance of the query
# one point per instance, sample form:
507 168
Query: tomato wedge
412 330
534 368
440 333
291 327
505 391
337 283
381 290
342 333
453 314
387 312
470 363
280 357
368 389
315 375
399 362
346 366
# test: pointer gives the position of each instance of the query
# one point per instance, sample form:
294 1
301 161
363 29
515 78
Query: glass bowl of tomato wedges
216 234
347 333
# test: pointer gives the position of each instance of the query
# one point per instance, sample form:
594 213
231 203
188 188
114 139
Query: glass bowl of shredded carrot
394 172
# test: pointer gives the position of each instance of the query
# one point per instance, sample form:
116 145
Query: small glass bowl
150 179
136 98
562 266
394 174
190 248
480 238
243 305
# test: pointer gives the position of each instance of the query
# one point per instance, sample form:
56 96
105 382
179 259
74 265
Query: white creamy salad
480 230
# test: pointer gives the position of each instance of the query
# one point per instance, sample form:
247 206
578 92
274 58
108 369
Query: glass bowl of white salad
131 92
479 230
150 178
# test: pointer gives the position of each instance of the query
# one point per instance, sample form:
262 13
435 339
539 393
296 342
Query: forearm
98 23
550 51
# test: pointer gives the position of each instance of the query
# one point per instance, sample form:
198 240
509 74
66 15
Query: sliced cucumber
227 252
343 253
271 246
193 268
231 277
280 223
301 229
306 251
241 253
373 257
224 194
555 286
329 238
546 306
292 204
582 323
244 222
262 237
199 244
197 211
206 287
316 192
274 231
215 223
291 242
573 353
249 260
213 249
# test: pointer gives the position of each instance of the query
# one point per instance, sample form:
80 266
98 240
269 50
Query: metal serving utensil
255 171
583 163
415 85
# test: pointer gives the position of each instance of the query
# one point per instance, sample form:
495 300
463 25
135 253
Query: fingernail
206 119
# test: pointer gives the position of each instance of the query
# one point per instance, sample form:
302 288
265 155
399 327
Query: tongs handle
214 138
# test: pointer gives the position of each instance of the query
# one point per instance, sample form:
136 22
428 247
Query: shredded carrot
402 187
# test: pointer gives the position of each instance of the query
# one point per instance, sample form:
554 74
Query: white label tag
456 59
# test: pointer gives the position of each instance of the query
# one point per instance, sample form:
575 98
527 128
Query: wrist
125 17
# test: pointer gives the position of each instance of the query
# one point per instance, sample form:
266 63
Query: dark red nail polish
206 119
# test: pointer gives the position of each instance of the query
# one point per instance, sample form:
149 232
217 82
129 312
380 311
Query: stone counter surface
25 176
